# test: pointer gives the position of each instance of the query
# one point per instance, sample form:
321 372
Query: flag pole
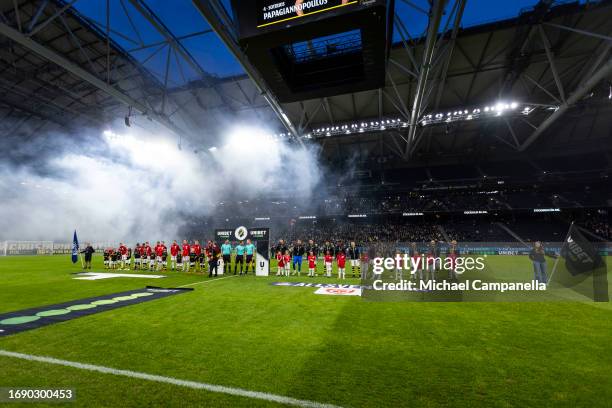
554 268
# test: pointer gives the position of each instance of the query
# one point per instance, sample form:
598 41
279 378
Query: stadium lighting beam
497 110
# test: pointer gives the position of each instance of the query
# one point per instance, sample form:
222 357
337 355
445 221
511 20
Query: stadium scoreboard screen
263 16
309 49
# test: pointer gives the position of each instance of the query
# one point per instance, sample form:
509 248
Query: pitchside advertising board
260 238
262 16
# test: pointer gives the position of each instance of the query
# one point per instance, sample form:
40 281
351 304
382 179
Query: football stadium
306 203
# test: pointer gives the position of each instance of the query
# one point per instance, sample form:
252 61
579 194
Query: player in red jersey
148 254
341 260
143 255
328 264
159 252
174 250
312 264
123 251
197 250
185 253
280 263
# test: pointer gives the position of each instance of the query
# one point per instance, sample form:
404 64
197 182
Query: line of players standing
185 257
290 257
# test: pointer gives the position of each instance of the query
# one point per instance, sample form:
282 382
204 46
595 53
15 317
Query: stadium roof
86 62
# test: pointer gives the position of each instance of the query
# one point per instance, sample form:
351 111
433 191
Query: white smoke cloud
138 185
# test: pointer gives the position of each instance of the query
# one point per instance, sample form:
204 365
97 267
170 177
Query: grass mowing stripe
214 280
169 380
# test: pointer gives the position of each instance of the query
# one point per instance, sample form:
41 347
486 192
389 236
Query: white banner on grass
338 291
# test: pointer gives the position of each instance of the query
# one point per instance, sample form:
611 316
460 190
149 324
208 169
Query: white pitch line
174 381
206 281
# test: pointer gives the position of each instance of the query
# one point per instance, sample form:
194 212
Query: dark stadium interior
230 152
556 153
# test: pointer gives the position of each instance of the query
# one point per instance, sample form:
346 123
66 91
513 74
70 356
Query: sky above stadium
184 20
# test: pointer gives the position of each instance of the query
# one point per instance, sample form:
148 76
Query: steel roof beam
79 72
437 10
453 40
601 74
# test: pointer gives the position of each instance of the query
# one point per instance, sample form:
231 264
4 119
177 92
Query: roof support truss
79 72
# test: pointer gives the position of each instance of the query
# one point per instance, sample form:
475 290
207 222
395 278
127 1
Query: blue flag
75 248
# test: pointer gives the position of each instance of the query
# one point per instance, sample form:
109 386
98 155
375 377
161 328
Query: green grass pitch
243 332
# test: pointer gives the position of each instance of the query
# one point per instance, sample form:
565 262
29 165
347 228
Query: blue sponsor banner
315 285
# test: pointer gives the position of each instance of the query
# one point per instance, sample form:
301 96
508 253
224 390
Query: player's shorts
249 258
159 259
124 257
239 258
173 258
354 262
227 259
